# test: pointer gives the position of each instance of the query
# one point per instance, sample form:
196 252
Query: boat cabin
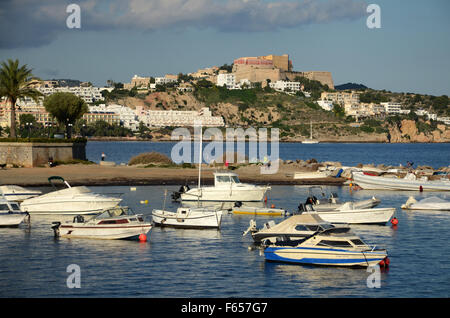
6 206
330 236
225 178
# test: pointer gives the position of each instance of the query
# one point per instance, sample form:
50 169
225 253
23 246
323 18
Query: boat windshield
15 206
224 179
4 207
235 179
114 212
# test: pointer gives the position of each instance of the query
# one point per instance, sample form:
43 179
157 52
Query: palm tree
14 84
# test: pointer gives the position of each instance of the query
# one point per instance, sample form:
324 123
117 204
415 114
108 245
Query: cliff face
407 131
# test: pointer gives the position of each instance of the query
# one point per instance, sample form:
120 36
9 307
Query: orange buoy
394 221
142 238
265 199
272 206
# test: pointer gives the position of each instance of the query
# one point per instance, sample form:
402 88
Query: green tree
15 84
66 108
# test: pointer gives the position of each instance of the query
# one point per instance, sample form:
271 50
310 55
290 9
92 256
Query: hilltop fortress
274 68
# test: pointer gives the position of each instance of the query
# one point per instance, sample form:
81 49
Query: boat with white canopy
431 204
72 200
410 182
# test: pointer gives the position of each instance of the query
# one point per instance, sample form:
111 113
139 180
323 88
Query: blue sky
117 39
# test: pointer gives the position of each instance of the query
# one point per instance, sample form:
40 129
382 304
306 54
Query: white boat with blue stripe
334 246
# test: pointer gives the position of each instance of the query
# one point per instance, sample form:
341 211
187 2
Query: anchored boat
72 200
17 193
350 214
10 213
410 183
431 204
332 202
116 223
295 227
227 187
335 246
184 217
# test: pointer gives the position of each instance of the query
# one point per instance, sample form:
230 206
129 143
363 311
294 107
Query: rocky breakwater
408 131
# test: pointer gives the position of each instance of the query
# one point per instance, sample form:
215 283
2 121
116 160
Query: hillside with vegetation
292 113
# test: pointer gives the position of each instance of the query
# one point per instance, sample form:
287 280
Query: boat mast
200 158
311 130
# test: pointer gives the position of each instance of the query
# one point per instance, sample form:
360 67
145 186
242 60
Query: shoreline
109 139
97 175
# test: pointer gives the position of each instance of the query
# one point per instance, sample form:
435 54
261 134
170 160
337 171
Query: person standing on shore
103 156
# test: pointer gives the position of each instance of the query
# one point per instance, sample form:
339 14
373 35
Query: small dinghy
112 224
431 204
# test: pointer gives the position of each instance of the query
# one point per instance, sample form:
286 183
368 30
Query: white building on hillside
286 86
127 116
226 79
326 104
394 108
177 118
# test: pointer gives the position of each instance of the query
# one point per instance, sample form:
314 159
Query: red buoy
381 263
394 221
387 261
421 189
142 238
265 199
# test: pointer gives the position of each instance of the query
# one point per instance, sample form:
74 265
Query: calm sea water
351 154
211 263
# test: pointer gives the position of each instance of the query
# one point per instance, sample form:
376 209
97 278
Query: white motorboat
310 140
295 227
410 183
72 200
334 246
257 209
227 188
115 223
17 193
432 204
10 213
349 214
185 217
332 202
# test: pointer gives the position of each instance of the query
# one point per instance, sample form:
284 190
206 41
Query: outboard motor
177 195
55 228
237 204
311 200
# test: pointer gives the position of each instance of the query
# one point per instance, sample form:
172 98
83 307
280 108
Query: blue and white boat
334 246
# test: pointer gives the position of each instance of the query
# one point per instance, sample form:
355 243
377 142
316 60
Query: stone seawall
34 154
